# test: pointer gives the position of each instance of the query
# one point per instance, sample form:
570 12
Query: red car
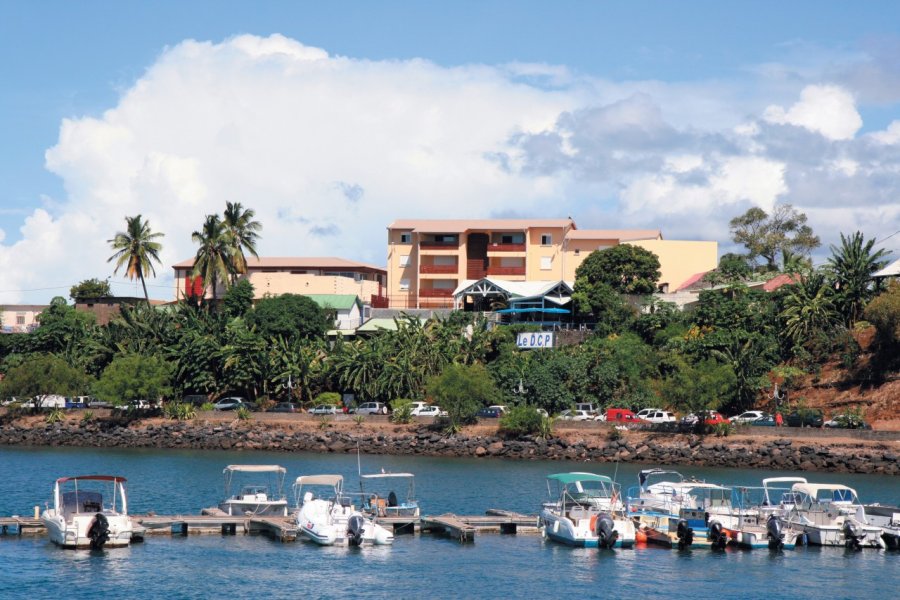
710 417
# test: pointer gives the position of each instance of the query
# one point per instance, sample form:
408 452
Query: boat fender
717 535
774 529
99 532
606 533
685 534
355 527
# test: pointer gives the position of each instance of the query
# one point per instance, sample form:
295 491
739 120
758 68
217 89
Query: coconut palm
136 249
852 266
213 259
242 234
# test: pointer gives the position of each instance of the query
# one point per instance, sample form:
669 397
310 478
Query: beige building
429 259
273 276
20 318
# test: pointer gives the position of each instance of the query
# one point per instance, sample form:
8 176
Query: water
495 566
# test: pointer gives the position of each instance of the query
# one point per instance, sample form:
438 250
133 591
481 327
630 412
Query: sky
333 119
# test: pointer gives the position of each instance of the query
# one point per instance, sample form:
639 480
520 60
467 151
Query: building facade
20 318
429 259
273 276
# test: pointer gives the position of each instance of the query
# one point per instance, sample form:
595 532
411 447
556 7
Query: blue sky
598 61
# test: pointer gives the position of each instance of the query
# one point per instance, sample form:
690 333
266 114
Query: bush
461 390
359 420
55 416
134 377
401 411
87 416
521 420
330 398
243 414
207 407
179 411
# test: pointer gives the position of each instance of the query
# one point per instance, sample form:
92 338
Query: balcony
436 293
439 269
507 271
506 247
432 245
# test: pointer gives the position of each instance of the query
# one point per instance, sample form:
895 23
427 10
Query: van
622 415
588 407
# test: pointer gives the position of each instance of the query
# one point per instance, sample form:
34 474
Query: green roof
567 478
335 301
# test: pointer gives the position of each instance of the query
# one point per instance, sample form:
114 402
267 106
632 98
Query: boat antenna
358 463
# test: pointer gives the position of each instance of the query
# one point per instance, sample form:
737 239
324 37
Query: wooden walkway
21 526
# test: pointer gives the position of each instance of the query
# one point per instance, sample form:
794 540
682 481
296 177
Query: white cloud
888 137
825 109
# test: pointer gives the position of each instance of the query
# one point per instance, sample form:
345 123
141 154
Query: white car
575 415
657 416
324 409
428 410
372 408
749 416
642 414
501 407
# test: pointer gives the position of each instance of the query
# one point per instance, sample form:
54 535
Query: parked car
195 399
588 407
811 417
657 416
285 407
622 415
646 411
765 421
749 416
847 422
324 409
231 403
710 417
136 405
489 413
78 401
428 410
501 407
575 415
372 408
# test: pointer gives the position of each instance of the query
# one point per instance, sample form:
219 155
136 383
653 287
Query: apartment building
274 276
429 259
20 318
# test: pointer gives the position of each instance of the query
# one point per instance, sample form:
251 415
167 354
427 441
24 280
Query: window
577 252
406 238
546 263
404 285
546 239
20 319
404 260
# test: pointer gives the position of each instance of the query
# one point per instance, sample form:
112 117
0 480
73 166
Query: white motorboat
588 511
89 511
257 498
831 515
378 504
888 518
327 516
665 492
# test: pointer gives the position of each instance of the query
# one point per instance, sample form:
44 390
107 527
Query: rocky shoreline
602 446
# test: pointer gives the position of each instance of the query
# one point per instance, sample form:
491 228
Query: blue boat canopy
567 478
556 311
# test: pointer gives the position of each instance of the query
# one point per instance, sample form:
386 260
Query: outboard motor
775 533
392 499
355 526
685 534
99 532
852 536
606 532
716 535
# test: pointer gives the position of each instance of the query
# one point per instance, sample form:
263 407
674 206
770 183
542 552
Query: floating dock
21 526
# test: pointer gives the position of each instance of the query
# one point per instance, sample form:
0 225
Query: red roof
690 281
781 280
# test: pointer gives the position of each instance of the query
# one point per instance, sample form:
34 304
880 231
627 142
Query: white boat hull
834 536
326 523
273 508
581 533
74 533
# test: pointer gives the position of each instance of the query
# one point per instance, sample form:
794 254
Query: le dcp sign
542 339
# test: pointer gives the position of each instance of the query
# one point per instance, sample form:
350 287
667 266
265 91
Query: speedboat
84 517
255 499
888 518
389 505
831 515
751 524
328 517
588 511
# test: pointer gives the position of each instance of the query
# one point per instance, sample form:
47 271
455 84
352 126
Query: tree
461 390
693 388
768 236
852 266
238 299
290 316
884 313
213 259
41 374
242 234
608 310
808 310
625 268
136 249
733 268
134 377
90 288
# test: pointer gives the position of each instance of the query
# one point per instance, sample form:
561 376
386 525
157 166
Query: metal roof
255 469
573 477
336 301
892 270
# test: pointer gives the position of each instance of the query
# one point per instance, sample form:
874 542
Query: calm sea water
495 566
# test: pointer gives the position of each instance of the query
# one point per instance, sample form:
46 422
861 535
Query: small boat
750 525
329 518
390 504
888 518
831 515
89 511
256 498
588 511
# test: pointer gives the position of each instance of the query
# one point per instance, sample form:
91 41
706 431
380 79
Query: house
349 311
273 276
20 318
429 259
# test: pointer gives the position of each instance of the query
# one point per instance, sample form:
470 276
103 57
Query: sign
542 339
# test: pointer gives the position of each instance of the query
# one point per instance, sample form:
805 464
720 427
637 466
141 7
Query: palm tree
213 259
135 247
807 310
242 233
852 266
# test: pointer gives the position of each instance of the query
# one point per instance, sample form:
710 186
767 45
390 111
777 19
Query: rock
495 448
480 451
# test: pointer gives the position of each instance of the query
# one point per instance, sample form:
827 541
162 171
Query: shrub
461 390
521 420
723 429
243 414
359 420
179 411
207 407
401 411
55 416
330 398
87 416
324 422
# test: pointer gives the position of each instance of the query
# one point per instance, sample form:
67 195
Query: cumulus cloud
329 150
